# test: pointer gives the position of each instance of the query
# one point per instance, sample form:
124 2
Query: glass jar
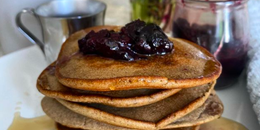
219 26
159 12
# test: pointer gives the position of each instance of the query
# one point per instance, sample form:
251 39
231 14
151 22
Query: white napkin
18 75
253 75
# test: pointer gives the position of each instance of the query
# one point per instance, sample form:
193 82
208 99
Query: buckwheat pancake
62 127
209 111
160 113
66 117
190 65
48 85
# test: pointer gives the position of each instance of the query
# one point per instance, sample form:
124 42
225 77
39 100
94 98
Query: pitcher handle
31 37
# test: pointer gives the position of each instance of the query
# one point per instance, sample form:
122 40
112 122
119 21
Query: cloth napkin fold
253 71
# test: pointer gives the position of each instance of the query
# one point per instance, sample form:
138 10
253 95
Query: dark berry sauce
136 40
232 54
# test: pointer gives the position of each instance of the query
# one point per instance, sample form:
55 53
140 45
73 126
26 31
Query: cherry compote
136 40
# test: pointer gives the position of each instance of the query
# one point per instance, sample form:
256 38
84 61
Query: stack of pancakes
175 91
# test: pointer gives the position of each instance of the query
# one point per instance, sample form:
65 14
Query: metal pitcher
59 19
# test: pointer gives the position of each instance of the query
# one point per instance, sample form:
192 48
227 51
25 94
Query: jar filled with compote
220 26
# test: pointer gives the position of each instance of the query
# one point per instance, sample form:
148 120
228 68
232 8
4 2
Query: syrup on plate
222 124
37 123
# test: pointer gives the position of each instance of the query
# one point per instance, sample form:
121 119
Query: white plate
20 70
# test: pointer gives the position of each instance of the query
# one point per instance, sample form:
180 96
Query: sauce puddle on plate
222 124
37 123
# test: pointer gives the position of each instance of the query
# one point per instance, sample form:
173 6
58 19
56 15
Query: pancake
62 127
160 113
48 85
68 118
209 111
190 65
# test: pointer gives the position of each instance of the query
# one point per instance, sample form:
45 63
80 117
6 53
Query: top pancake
190 65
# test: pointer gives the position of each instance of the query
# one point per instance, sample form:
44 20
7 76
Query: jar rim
227 2
201 4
